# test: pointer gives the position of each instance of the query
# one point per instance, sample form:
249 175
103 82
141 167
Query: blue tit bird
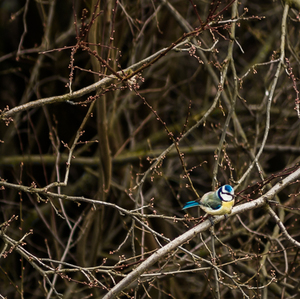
219 202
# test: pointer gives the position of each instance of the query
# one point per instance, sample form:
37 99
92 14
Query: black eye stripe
222 191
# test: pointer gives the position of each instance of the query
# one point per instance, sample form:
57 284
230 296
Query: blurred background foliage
121 138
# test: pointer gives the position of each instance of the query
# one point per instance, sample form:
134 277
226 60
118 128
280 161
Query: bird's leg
211 220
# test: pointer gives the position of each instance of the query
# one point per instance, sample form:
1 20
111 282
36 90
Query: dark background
121 138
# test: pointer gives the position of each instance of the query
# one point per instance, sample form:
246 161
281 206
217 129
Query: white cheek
227 197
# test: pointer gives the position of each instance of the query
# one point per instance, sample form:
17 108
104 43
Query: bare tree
116 113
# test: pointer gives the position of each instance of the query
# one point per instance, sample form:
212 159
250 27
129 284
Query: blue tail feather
191 204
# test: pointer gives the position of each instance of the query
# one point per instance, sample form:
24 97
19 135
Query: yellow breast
226 207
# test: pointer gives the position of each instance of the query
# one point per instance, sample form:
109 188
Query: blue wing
211 201
213 204
191 204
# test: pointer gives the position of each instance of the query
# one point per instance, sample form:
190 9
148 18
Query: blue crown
228 188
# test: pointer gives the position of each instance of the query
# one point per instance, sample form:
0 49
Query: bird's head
226 193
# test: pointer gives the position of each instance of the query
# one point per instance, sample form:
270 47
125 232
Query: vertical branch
196 12
281 212
104 148
222 139
270 93
229 60
34 74
24 30
214 262
96 33
66 251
